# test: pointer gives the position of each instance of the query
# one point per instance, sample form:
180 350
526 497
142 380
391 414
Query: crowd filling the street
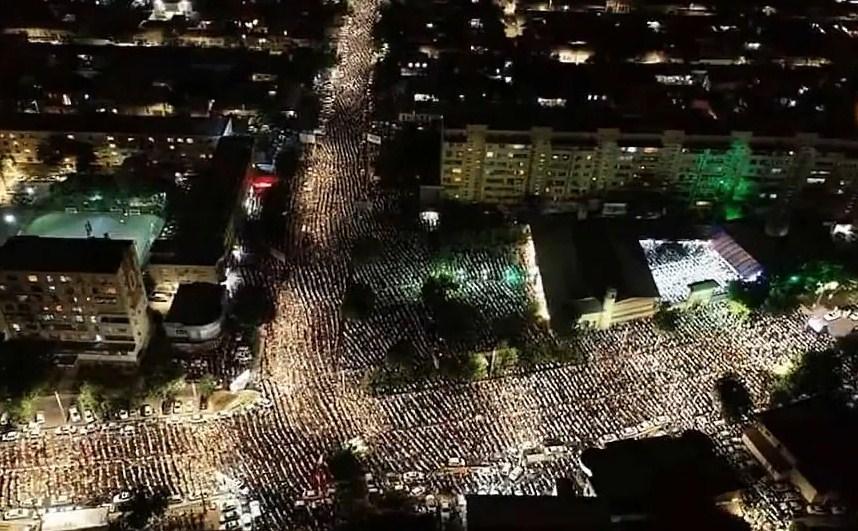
402 350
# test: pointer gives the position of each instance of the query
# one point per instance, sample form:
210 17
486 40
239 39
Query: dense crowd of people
458 437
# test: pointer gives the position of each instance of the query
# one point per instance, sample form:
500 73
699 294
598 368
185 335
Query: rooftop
196 304
84 255
820 434
635 474
579 260
536 513
199 218
113 123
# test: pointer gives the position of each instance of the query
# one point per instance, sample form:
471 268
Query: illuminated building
167 9
85 295
113 137
479 164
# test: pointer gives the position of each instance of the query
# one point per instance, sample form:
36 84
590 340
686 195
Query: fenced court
143 228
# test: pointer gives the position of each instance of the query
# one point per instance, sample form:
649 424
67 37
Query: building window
33 278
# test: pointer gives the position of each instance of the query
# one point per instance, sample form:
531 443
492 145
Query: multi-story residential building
494 166
113 137
84 295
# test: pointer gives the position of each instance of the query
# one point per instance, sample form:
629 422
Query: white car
146 410
455 461
4 419
177 407
516 473
74 414
122 497
833 315
123 415
10 436
88 416
17 514
40 417
412 477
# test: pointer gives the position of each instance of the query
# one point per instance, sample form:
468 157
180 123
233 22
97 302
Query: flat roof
536 513
820 433
633 474
83 255
201 216
579 260
113 123
196 304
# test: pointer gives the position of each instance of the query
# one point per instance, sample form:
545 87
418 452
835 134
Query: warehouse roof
196 304
582 260
83 255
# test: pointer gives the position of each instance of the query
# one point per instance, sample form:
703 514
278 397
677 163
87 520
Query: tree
89 397
207 385
736 401
365 249
143 509
348 473
401 356
751 295
503 358
251 306
358 301
738 309
816 373
666 318
466 367
25 368
56 148
436 290
456 321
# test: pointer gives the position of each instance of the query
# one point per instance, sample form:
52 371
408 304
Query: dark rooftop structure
807 240
819 434
196 304
536 513
114 124
202 216
636 475
579 260
86 255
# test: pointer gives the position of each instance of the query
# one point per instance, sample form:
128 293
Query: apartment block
479 164
84 295
113 137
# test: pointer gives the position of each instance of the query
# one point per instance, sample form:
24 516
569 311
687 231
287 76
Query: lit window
16 327
33 278
92 319
190 141
64 278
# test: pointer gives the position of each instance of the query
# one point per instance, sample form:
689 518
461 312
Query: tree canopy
54 149
143 509
358 301
251 306
736 401
815 373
